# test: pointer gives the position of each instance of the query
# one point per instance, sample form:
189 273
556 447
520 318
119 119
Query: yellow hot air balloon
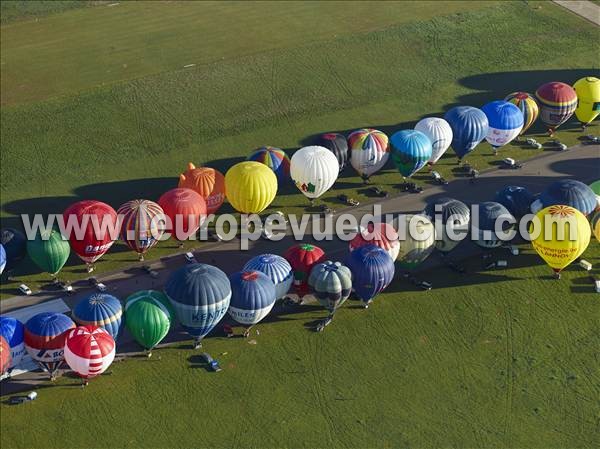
588 94
560 234
250 187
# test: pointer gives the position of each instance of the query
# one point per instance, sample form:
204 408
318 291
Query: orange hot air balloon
206 181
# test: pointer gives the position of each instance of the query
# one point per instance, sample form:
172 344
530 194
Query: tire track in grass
509 377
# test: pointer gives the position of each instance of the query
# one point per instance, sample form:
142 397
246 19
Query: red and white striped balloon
89 351
381 234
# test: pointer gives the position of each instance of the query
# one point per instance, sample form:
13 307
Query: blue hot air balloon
505 122
567 192
252 297
2 258
200 295
102 310
15 246
516 199
372 271
276 268
469 127
13 332
488 226
410 151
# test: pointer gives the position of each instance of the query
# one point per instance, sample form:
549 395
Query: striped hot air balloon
276 268
207 182
486 233
528 106
89 351
558 102
451 217
439 133
5 357
382 235
469 127
186 210
141 225
369 151
567 192
505 122
13 331
331 283
275 159
252 297
102 310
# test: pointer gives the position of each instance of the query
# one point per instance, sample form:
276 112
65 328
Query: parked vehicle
25 290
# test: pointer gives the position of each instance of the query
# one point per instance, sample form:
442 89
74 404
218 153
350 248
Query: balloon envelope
49 251
505 122
595 223
45 339
186 210
410 151
439 133
569 192
469 127
251 187
2 258
557 103
369 151
89 351
13 332
372 271
516 199
331 284
417 239
15 246
382 235
276 268
337 144
302 258
588 96
528 106
451 218
101 310
5 357
489 214
207 182
275 159
252 297
148 317
314 170
141 224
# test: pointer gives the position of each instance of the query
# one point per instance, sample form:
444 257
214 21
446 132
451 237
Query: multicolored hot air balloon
276 268
49 251
559 234
302 258
528 107
382 235
516 199
102 310
15 247
469 127
588 96
337 144
331 283
89 351
141 225
369 151
489 214
45 339
416 235
93 245
200 295
567 192
411 150
372 271
439 133
252 297
451 219
13 332
5 357
505 122
314 170
275 159
2 258
185 209
207 182
251 187
148 317
557 103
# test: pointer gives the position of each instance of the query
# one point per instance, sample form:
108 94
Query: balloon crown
250 275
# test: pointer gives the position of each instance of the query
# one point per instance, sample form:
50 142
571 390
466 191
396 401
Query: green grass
499 359
13 11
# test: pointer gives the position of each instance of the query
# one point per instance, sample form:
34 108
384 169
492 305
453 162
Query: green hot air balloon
148 317
49 251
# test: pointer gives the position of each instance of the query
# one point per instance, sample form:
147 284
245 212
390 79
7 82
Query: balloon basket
141 258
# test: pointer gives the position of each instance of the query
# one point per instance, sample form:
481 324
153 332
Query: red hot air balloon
141 222
5 358
99 226
302 258
89 351
382 235
186 210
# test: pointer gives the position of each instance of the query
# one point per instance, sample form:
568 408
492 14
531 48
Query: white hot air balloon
314 169
369 151
439 132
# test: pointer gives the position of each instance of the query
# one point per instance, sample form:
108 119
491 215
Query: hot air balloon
276 268
276 160
84 214
148 317
382 235
528 107
337 144
516 199
469 127
369 151
451 218
49 251
559 234
505 122
5 357
372 271
45 339
595 186
417 239
314 170
567 192
13 332
410 151
141 225
15 246
557 102
487 234
595 223
186 211
252 297
251 187
89 351
2 258
200 295
588 96
102 310
302 258
438 131
331 283
207 182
